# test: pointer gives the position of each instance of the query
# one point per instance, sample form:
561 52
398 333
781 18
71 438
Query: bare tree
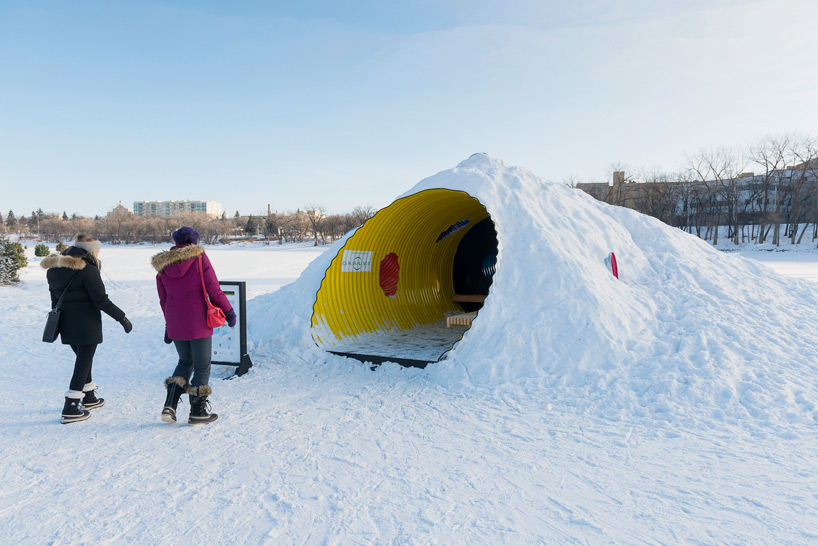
684 195
703 199
617 195
571 181
718 170
803 179
772 154
360 215
315 218
291 227
54 228
659 197
334 225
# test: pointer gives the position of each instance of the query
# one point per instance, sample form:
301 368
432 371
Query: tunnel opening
407 284
475 262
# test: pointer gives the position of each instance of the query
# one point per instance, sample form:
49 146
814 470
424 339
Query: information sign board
230 344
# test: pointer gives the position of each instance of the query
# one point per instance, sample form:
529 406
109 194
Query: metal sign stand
228 348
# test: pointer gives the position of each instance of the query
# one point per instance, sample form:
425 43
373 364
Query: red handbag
215 315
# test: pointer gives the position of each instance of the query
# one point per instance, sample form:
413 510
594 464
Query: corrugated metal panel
350 303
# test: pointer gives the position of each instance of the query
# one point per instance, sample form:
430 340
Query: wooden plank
463 319
470 298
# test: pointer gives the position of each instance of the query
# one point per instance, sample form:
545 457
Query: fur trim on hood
202 390
58 260
175 256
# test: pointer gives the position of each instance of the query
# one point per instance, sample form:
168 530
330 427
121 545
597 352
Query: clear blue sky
351 103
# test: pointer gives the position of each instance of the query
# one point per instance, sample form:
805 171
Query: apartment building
175 208
748 197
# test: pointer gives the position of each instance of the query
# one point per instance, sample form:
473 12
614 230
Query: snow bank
686 333
540 439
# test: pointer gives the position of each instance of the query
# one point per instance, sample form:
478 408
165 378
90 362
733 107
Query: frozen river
791 264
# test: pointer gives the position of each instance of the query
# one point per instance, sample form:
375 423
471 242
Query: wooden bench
463 319
468 298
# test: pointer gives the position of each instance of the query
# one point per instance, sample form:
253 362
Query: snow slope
686 333
674 406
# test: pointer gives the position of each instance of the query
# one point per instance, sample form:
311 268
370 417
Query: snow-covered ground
801 265
649 410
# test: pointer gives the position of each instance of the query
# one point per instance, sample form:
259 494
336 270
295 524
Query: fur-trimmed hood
58 260
175 255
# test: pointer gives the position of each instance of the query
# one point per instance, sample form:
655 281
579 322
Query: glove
167 339
126 325
231 318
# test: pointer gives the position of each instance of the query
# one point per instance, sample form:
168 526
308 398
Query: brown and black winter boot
176 387
199 406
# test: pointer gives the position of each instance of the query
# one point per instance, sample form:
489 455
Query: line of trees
714 189
313 223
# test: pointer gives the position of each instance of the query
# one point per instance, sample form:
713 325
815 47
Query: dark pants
194 358
82 365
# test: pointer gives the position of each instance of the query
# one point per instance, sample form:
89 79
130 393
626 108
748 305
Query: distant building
748 198
603 190
119 210
175 208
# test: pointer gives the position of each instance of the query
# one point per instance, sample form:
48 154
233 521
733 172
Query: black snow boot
90 400
176 387
72 410
199 406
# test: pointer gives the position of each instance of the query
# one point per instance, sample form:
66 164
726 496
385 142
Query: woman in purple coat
179 283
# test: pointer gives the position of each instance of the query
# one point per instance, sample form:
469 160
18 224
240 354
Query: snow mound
684 327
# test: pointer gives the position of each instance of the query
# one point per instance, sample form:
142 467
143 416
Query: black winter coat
80 320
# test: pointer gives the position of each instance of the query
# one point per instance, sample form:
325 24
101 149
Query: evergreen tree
17 254
11 219
8 273
250 227
64 215
12 258
41 250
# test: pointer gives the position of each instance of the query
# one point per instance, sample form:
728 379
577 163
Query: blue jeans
194 358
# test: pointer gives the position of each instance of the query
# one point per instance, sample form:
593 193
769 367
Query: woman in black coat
77 269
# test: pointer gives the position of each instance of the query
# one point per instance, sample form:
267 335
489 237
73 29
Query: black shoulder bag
52 322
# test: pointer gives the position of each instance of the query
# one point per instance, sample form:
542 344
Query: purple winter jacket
180 291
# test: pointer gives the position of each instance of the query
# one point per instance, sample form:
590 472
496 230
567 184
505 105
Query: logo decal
356 260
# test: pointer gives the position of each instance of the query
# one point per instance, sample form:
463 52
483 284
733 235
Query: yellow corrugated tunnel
399 270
